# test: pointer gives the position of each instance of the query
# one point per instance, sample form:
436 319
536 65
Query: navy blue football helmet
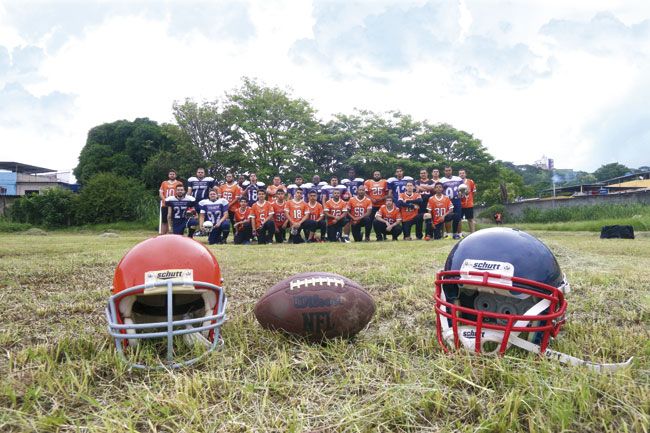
499 287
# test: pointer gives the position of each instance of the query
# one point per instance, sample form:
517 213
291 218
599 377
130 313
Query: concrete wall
517 209
22 188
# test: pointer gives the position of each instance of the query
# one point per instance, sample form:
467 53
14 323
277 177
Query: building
18 179
618 185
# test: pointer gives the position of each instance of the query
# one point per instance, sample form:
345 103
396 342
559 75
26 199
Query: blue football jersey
251 189
398 186
214 210
200 187
353 185
450 186
180 206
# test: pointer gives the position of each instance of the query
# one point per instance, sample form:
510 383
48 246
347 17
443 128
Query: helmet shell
163 253
530 257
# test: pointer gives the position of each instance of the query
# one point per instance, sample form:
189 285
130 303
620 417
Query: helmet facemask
179 314
487 311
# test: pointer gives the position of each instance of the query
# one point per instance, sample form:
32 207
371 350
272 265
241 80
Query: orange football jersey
272 189
315 212
468 200
297 210
279 217
168 189
335 208
439 207
261 212
358 208
377 190
391 216
242 216
231 193
409 214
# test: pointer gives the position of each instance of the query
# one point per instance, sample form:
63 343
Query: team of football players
318 211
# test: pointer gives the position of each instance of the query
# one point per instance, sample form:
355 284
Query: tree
209 129
274 129
610 171
120 147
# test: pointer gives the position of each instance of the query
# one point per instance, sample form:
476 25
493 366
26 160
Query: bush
107 197
7 226
584 213
54 208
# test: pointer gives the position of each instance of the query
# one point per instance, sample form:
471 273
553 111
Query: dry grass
59 372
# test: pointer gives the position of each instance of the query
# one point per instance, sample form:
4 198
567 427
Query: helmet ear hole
489 347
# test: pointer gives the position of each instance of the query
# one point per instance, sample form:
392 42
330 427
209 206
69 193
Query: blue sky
566 79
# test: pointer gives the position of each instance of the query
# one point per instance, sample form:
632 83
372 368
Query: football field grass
59 370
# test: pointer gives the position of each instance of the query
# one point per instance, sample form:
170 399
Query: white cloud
562 78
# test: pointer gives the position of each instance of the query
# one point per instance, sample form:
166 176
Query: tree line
267 130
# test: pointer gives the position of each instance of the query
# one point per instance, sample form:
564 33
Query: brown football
316 305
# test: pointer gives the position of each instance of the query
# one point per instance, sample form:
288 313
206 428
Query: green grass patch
586 213
7 226
59 370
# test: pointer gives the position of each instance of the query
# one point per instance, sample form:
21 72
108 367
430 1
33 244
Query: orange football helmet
164 287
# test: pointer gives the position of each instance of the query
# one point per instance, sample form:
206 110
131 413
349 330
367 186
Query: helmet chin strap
490 335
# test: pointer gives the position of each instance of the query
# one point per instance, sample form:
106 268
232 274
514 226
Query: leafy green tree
211 134
274 129
612 170
120 147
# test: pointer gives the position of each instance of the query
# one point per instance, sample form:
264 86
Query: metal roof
19 167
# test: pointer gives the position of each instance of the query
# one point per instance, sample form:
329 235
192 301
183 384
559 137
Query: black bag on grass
620 232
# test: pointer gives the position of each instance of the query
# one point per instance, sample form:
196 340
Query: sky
567 79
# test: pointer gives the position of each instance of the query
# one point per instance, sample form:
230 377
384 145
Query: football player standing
273 188
397 184
424 186
231 192
467 201
377 190
450 185
252 187
199 185
167 189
